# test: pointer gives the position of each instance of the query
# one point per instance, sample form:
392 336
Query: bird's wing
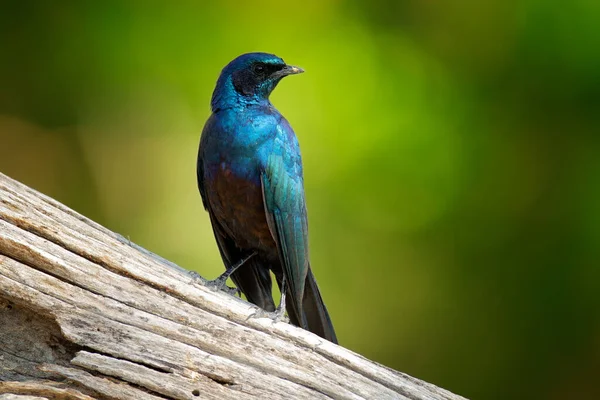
200 164
200 177
283 196
285 208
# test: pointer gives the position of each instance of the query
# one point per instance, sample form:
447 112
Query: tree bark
85 314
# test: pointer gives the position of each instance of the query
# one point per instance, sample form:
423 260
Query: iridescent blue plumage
251 181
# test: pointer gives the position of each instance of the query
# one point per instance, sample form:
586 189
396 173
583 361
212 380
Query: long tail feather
315 317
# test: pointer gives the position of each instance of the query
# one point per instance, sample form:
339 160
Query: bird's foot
216 284
219 284
276 316
233 291
280 314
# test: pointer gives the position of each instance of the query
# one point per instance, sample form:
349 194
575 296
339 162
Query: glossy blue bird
251 182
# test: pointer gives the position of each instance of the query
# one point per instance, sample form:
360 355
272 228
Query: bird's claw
233 291
276 316
279 313
219 284
215 284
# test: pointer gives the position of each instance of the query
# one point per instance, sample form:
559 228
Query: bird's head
250 78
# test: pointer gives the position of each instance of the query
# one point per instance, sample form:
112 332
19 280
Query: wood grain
85 314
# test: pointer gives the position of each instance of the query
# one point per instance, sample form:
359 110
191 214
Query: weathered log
85 314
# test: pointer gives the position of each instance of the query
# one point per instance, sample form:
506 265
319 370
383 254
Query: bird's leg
219 283
280 311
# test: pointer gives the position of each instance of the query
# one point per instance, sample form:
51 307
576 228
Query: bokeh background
451 151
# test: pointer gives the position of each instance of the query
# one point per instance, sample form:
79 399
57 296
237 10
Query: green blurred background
451 151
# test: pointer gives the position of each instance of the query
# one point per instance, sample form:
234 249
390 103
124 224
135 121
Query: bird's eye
258 68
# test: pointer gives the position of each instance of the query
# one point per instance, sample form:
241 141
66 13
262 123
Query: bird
251 181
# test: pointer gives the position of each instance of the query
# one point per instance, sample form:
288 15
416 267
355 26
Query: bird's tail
315 317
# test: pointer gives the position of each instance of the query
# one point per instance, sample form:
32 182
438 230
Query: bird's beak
291 70
288 70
